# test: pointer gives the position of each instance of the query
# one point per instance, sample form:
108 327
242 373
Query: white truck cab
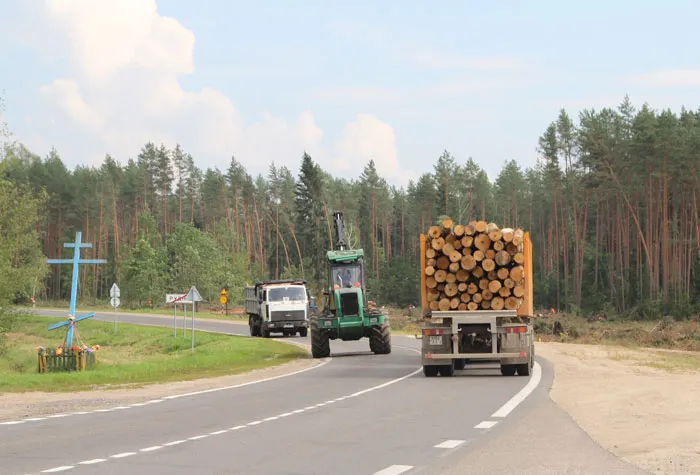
277 306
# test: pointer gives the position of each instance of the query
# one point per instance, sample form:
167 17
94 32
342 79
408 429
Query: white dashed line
35 419
272 418
394 469
11 423
93 461
122 455
58 415
58 469
174 442
485 424
286 414
522 394
151 449
449 444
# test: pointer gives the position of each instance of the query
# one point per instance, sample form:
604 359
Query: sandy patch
648 416
30 404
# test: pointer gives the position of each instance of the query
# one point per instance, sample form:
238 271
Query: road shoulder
641 405
32 404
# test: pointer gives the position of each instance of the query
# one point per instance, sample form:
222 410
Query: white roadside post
193 296
114 294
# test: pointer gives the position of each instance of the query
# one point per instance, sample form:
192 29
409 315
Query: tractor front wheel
380 339
320 342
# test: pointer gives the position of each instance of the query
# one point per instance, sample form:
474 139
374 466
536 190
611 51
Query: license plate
288 325
435 340
328 323
373 320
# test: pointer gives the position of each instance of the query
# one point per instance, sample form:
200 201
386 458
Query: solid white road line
394 469
151 449
522 394
449 444
58 469
485 424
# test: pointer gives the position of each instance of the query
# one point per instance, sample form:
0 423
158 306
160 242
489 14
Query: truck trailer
469 314
277 306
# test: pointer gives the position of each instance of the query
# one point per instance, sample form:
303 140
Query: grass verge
136 356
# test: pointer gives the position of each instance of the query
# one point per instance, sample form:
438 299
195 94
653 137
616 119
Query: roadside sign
114 291
223 300
114 302
193 295
177 298
224 293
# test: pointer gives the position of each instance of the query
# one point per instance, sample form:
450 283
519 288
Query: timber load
477 266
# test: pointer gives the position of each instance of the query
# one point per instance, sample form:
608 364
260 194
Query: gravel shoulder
643 405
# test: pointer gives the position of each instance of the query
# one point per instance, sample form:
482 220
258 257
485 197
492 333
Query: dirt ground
642 405
15 406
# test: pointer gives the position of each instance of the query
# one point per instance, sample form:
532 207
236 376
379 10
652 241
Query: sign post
224 300
114 293
193 296
176 299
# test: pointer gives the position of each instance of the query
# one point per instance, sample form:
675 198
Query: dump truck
277 306
476 298
347 313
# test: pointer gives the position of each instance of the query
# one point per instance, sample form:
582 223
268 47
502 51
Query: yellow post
526 309
423 294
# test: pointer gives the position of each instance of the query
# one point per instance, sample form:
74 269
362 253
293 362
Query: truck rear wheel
447 369
430 371
460 363
380 339
320 342
507 369
303 332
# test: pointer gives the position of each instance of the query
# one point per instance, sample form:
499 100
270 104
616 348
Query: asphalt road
356 414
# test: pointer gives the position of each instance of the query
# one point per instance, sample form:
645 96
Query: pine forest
612 208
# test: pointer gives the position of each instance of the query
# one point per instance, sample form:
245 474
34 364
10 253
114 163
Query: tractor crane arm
339 230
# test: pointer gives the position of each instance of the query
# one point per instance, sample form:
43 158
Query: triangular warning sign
193 295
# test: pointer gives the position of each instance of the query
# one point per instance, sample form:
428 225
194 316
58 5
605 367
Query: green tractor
346 313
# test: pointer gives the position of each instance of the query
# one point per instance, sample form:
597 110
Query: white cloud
368 138
122 90
669 78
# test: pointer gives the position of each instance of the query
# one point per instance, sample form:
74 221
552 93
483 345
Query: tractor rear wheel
380 339
320 342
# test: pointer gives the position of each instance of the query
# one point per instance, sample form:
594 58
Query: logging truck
476 298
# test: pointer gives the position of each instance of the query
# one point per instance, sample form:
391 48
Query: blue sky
347 81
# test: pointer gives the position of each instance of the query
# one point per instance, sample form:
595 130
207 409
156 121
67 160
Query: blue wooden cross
72 320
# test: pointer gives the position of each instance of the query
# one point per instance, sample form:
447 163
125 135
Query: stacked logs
477 266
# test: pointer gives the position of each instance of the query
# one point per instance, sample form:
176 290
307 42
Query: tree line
612 207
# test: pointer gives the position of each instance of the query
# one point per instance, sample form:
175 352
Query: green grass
136 356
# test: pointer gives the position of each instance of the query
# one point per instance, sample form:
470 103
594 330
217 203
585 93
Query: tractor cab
346 296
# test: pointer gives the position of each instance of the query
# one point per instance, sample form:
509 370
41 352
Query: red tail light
516 329
433 331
